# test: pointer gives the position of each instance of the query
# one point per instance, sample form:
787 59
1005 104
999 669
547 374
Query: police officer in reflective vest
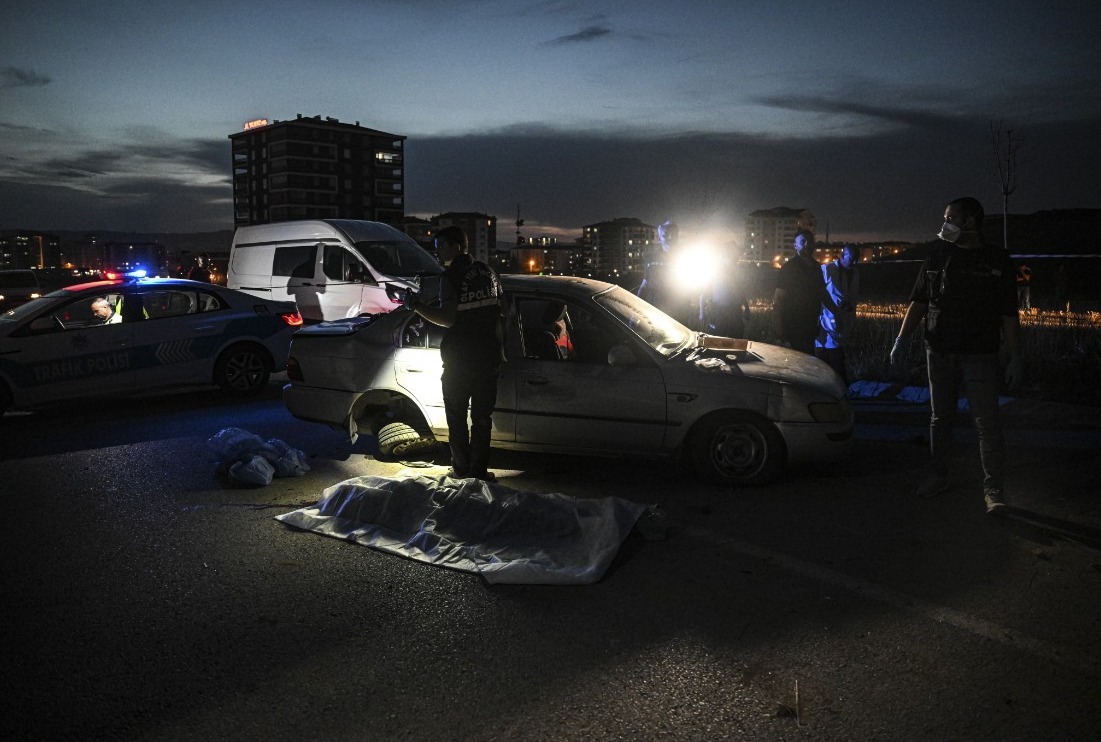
471 307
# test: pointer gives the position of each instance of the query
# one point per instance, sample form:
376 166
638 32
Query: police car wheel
736 448
242 369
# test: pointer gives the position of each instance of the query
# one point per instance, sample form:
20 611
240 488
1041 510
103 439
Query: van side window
341 265
296 261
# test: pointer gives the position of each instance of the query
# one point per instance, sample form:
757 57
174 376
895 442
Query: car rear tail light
294 371
294 319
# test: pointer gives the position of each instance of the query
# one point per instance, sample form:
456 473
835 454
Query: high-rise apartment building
480 229
769 233
314 168
618 247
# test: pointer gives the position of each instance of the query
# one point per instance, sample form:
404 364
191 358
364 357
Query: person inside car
102 309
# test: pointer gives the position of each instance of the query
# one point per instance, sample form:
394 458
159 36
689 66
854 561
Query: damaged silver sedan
591 370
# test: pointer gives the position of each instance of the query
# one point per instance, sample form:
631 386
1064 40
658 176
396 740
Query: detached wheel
399 439
737 448
243 369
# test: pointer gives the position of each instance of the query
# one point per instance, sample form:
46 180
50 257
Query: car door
584 402
67 353
173 340
418 368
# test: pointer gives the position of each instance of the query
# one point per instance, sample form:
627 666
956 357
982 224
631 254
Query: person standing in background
797 301
838 314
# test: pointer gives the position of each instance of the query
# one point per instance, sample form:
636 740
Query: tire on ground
399 439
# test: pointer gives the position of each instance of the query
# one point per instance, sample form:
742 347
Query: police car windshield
399 258
656 328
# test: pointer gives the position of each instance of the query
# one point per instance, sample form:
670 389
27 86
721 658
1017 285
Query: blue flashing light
138 273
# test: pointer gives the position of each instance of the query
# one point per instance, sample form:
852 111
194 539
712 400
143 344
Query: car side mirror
621 355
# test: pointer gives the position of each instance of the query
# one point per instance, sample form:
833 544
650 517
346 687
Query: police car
592 369
149 333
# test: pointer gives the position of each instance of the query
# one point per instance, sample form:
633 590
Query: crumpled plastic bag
248 458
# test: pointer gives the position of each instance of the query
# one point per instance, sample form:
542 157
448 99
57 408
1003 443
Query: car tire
243 369
399 439
737 448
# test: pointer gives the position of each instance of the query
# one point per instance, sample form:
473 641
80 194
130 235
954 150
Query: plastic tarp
502 534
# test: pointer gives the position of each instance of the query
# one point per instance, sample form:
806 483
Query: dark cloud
18 77
891 184
922 119
590 33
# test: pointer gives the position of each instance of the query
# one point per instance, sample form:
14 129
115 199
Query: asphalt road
146 596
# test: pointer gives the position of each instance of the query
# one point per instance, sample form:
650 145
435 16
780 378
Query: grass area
1061 351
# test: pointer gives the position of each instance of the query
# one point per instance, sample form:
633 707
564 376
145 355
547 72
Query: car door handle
202 328
537 381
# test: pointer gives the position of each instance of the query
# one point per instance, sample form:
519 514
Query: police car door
67 353
172 340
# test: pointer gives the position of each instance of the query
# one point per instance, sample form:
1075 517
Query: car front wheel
243 369
737 448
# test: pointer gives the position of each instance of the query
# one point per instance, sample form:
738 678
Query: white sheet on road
502 534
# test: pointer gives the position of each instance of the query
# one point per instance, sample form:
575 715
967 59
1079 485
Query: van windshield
398 258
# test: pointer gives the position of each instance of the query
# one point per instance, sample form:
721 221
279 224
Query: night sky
115 115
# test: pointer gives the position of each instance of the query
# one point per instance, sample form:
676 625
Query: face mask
949 232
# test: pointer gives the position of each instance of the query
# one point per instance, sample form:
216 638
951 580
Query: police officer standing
470 306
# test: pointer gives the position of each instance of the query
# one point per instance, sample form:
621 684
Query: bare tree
1006 149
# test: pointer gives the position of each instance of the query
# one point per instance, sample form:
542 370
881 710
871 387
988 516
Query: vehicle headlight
827 412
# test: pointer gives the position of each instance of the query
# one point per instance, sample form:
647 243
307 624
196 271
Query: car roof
573 285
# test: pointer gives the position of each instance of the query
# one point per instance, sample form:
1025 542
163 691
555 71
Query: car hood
755 360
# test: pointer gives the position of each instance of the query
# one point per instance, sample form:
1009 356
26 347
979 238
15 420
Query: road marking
1071 658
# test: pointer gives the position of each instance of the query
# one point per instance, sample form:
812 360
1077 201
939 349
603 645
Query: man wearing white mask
967 295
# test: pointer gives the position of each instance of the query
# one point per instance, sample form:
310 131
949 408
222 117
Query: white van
332 268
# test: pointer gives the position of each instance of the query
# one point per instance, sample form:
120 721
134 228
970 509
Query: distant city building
480 229
23 249
769 233
617 248
314 168
129 256
421 230
545 255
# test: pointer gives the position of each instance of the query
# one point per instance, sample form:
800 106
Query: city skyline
116 116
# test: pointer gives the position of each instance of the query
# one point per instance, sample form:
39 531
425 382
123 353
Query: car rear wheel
399 439
243 369
737 448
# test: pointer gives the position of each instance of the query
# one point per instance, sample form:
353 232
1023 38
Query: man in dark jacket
470 307
966 293
800 291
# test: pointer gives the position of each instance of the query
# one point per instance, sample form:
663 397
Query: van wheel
398 439
243 369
